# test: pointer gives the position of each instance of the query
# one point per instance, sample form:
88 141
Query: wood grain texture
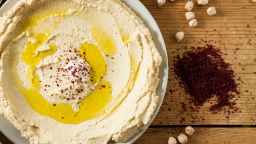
201 136
233 30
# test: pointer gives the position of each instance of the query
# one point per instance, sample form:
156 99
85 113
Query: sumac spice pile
205 74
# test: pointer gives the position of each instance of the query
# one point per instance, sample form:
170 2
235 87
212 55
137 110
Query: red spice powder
205 74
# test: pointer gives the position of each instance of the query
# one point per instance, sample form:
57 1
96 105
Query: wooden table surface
233 30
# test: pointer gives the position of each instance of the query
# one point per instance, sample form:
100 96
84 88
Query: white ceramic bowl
13 134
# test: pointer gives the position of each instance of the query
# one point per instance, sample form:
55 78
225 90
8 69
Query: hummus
77 71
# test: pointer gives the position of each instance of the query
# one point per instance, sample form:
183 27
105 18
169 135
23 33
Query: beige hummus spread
77 71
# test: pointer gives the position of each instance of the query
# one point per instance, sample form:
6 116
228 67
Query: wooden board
201 136
233 30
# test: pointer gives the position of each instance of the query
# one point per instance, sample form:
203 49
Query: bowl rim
139 8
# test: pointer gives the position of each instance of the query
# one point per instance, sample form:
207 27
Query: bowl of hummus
79 71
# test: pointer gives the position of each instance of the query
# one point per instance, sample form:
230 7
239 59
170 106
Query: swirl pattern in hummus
77 71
